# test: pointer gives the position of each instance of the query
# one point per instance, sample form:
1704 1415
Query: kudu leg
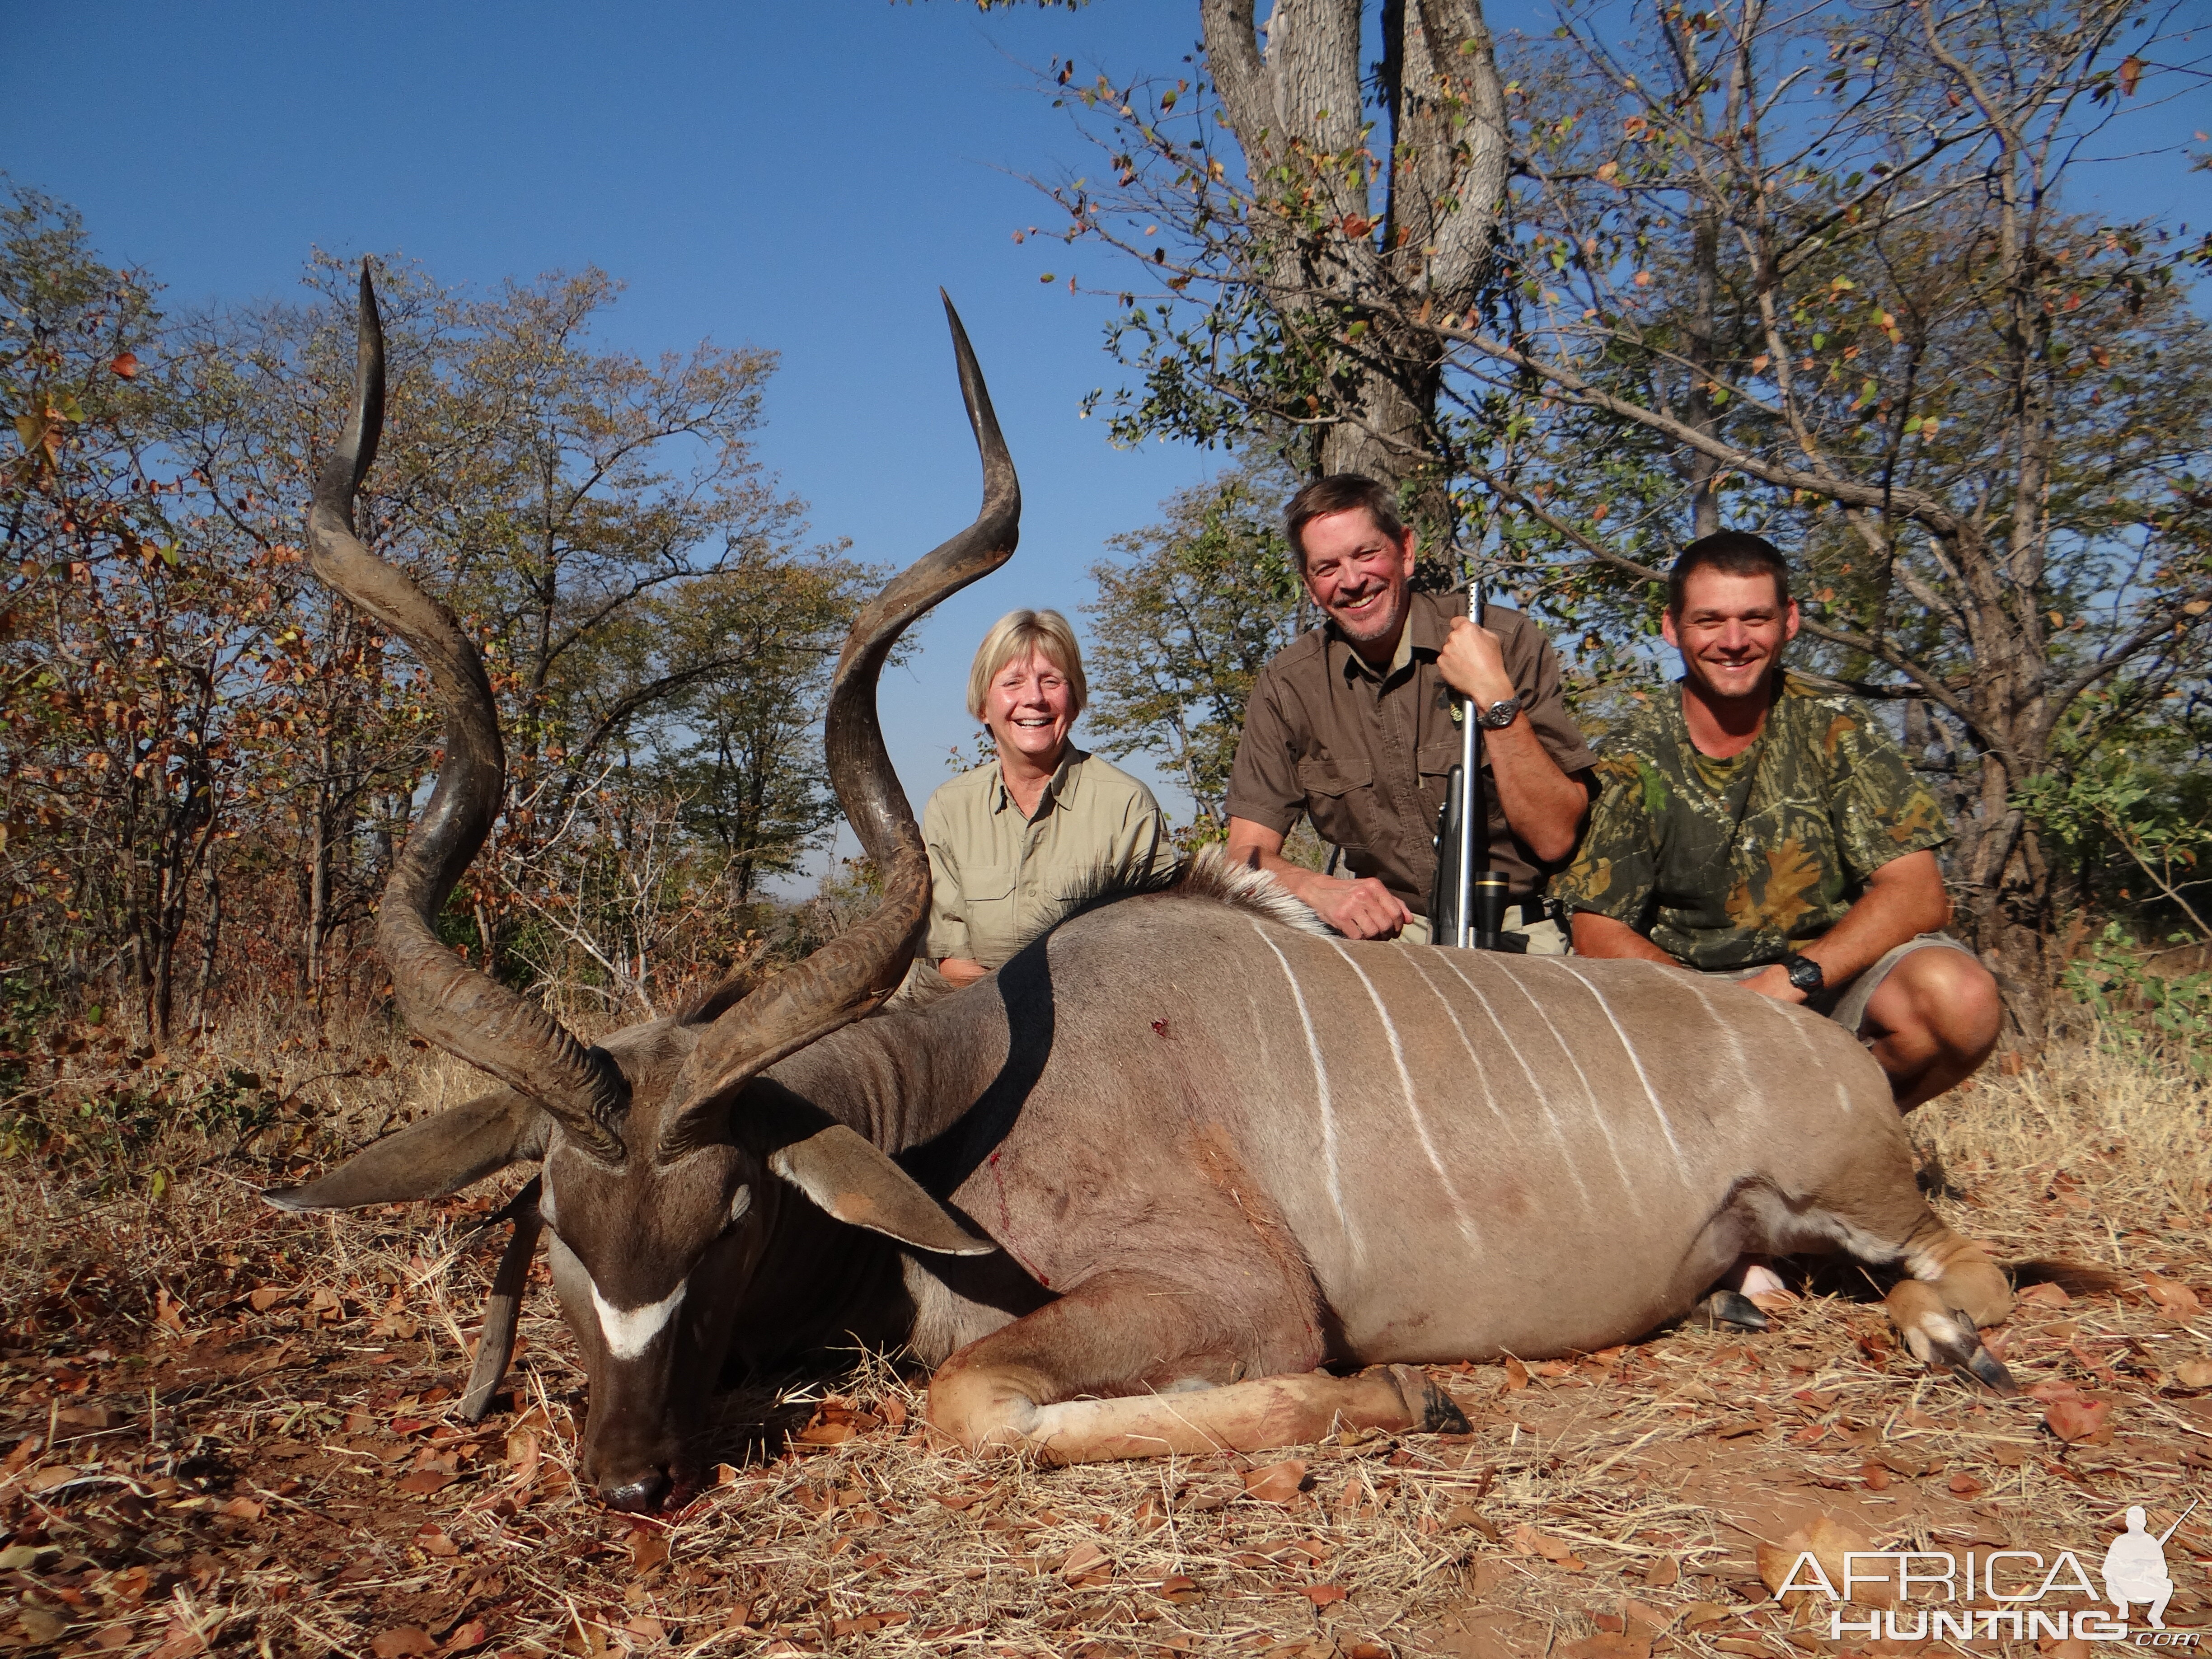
1954 1289
1128 1334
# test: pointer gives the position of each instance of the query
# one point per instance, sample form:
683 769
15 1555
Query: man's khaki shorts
1846 1004
1545 937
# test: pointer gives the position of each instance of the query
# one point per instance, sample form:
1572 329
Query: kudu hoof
1431 1408
1965 1359
1732 1307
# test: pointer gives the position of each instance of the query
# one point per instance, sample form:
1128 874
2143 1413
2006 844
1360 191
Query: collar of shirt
1064 779
1424 633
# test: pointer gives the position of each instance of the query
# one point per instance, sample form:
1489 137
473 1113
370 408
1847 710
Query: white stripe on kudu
1567 1159
630 1331
1412 1108
1320 1088
1482 1076
1597 1112
1665 1124
1727 1029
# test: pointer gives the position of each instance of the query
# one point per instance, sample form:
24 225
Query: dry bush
229 1433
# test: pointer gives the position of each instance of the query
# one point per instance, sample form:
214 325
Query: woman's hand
959 971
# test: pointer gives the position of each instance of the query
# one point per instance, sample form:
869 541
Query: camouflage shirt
1729 863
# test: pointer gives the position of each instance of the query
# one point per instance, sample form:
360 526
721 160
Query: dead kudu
1131 1192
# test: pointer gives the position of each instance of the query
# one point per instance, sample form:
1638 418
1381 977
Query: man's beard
1372 624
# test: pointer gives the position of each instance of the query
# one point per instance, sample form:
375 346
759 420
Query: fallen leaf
465 1637
432 1540
523 1453
2172 1296
267 1296
405 1640
2194 1373
1516 1374
1178 1589
826 1434
1460 1515
41 1625
1965 1484
1321 1595
1662 1572
1082 1559
1557 1550
1276 1483
243 1509
893 1413
52 1475
646 1625
2045 1296
1704 1613
2080 1422
1827 1540
426 1481
648 1548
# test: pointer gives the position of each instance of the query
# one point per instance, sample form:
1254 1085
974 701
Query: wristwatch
1498 715
1805 974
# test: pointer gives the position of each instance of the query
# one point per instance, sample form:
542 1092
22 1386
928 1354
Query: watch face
1499 715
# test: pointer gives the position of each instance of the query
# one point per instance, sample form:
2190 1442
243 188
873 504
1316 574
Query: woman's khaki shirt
997 879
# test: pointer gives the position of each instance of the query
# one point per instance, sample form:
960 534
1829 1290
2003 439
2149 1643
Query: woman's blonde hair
1014 637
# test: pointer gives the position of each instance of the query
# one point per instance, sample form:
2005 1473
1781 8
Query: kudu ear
439 1155
855 1180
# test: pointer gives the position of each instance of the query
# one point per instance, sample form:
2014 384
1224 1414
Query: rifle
1463 843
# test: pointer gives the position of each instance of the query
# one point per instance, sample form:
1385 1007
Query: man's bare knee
1950 997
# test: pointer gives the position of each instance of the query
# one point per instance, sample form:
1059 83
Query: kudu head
655 1145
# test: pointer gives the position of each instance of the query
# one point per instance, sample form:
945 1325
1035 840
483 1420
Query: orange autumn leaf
1276 1483
2080 1422
2172 1296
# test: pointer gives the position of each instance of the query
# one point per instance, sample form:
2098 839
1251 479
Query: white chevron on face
628 1331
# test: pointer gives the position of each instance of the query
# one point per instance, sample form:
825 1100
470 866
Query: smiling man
1754 826
1356 724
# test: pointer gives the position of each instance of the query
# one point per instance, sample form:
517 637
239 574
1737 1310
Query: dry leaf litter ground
226 1431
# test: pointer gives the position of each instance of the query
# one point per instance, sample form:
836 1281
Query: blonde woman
1014 846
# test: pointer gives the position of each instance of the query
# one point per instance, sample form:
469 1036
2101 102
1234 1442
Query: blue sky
797 176
801 178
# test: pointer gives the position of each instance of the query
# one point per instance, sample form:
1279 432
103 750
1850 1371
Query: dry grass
227 1434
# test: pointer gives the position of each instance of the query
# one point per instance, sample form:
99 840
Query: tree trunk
210 939
1296 113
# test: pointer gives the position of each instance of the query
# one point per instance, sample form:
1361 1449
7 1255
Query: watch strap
1806 974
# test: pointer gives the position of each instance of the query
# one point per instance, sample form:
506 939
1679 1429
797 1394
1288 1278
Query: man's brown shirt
1366 754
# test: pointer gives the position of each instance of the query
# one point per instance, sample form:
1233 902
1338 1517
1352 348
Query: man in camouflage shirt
1754 826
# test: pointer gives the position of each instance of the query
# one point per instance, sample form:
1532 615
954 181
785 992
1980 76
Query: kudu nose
640 1496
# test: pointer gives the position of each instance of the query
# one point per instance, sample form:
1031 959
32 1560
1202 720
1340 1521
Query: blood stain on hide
1160 1027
